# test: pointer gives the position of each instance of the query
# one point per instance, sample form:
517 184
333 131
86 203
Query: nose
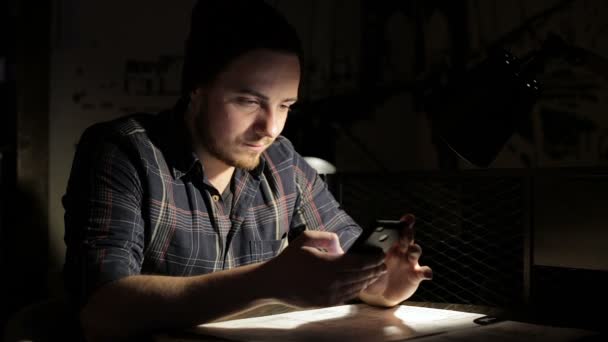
269 123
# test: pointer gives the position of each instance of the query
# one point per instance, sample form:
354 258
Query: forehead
262 69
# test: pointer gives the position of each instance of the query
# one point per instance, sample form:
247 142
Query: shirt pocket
262 250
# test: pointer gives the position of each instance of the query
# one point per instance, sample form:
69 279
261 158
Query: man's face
244 110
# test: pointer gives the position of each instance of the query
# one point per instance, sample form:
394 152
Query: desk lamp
478 112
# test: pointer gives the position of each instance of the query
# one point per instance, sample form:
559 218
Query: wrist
260 281
376 300
268 287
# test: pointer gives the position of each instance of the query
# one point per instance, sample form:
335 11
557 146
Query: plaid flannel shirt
138 202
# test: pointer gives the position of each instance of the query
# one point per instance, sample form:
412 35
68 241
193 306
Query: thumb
425 273
326 241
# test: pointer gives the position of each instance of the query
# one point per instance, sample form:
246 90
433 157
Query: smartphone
383 234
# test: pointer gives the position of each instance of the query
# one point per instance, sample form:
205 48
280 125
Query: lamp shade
322 166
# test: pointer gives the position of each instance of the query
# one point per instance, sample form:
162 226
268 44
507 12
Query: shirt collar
260 168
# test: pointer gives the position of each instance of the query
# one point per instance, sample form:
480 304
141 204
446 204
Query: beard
229 154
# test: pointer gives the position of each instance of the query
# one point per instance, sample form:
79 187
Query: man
175 219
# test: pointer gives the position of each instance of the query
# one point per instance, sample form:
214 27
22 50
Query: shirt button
215 197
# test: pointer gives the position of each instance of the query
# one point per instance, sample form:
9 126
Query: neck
218 173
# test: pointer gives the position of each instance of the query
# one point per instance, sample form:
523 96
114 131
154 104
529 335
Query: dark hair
223 30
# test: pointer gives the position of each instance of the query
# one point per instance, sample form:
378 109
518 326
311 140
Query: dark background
65 64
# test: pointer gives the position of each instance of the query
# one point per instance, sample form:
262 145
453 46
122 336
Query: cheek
219 120
229 125
282 123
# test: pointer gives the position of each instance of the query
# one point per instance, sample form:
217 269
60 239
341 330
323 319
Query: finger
425 273
359 261
408 219
413 252
333 259
394 251
400 246
344 263
327 241
406 236
321 253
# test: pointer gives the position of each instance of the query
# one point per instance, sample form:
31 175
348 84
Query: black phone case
381 235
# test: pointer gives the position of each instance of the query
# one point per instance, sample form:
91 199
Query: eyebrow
262 96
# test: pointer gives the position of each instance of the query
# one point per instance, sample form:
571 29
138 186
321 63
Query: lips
255 147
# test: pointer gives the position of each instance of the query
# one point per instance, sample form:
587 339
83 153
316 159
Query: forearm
143 304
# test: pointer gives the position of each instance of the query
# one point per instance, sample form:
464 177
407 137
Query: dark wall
24 241
7 137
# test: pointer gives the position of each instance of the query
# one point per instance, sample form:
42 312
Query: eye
247 102
285 108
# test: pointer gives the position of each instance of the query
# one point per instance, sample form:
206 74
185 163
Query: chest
190 229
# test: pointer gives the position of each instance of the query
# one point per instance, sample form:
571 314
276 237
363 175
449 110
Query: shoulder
281 150
104 152
125 141
121 128
282 156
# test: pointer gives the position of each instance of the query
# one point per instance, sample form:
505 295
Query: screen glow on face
246 108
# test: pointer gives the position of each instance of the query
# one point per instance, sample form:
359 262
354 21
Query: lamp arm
554 47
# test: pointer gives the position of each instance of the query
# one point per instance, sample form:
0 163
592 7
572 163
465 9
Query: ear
198 96
197 93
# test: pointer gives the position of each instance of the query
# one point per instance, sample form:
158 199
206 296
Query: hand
314 271
404 273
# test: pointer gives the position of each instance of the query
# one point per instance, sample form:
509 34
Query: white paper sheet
343 323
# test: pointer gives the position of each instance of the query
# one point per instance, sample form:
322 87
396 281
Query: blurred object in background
328 172
479 110
320 165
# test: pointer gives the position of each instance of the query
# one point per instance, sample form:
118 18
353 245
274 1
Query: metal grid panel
471 230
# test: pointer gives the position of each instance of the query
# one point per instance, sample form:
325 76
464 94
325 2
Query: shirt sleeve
104 229
316 207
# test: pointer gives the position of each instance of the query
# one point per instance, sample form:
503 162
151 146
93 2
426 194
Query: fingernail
428 274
